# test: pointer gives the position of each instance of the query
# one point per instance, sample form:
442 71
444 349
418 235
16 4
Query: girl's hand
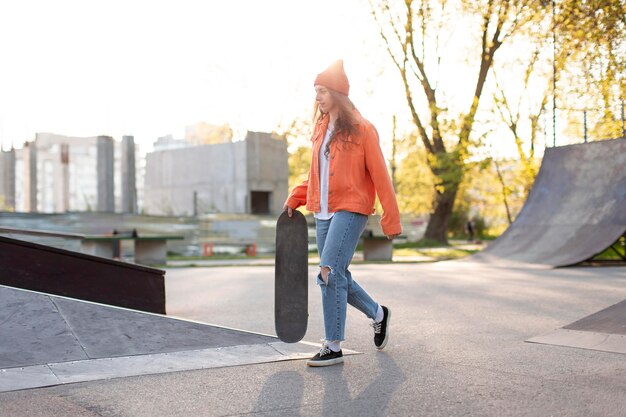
392 237
289 210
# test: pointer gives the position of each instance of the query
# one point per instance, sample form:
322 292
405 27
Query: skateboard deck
291 277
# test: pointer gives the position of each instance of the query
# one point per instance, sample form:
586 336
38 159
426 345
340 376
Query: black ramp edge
56 271
575 210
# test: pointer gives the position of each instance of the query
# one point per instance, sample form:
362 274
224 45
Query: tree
297 134
414 33
594 34
414 180
299 163
521 111
491 193
582 46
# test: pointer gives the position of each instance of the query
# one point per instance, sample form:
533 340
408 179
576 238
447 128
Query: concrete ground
457 347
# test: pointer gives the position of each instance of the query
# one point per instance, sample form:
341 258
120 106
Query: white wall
223 175
215 172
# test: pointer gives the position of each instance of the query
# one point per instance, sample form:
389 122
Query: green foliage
615 253
600 125
593 33
422 243
415 34
297 134
585 44
481 198
299 164
456 224
414 183
480 227
590 63
438 253
447 168
462 213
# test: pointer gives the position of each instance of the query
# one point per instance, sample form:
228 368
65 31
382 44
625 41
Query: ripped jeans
337 239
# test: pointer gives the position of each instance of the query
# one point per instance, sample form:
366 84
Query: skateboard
291 277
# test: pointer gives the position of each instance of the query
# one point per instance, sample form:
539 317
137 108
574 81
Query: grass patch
216 257
430 250
616 253
437 254
422 243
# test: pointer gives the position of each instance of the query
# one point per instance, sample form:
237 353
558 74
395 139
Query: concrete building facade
169 142
128 172
7 180
56 174
105 174
29 177
248 176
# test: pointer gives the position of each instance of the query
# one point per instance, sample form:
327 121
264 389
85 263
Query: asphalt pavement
457 347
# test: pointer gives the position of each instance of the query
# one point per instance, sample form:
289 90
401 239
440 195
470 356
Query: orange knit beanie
334 77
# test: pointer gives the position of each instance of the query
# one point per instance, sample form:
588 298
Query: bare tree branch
438 144
489 48
403 72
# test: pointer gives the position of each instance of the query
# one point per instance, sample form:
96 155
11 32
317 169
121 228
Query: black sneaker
380 329
325 357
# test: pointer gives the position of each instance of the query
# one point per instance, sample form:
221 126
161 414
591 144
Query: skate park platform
457 347
575 210
603 331
50 340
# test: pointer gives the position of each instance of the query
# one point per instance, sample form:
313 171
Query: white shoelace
377 326
325 350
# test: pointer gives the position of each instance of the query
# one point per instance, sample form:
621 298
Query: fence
575 125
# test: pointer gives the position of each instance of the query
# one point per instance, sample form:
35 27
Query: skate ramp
575 210
49 340
604 330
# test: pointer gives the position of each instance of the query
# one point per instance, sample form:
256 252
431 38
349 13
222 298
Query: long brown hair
345 125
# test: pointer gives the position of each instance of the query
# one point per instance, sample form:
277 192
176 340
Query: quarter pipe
575 210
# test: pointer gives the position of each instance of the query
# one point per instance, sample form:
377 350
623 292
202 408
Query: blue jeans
337 239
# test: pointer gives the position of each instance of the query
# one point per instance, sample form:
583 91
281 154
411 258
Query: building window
260 202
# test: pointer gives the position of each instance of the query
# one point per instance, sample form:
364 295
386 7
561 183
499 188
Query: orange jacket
357 173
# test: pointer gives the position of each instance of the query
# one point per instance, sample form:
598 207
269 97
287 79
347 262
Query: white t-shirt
324 214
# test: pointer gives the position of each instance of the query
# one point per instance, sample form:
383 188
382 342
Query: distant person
347 171
469 229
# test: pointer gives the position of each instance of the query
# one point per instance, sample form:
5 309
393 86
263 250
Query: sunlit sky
150 68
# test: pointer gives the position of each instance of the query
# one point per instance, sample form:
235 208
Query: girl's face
324 99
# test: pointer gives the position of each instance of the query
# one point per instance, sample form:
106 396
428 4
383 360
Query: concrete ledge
377 249
51 374
604 342
48 340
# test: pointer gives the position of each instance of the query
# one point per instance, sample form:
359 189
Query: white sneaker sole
327 362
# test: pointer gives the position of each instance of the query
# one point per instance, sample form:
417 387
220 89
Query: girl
347 171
